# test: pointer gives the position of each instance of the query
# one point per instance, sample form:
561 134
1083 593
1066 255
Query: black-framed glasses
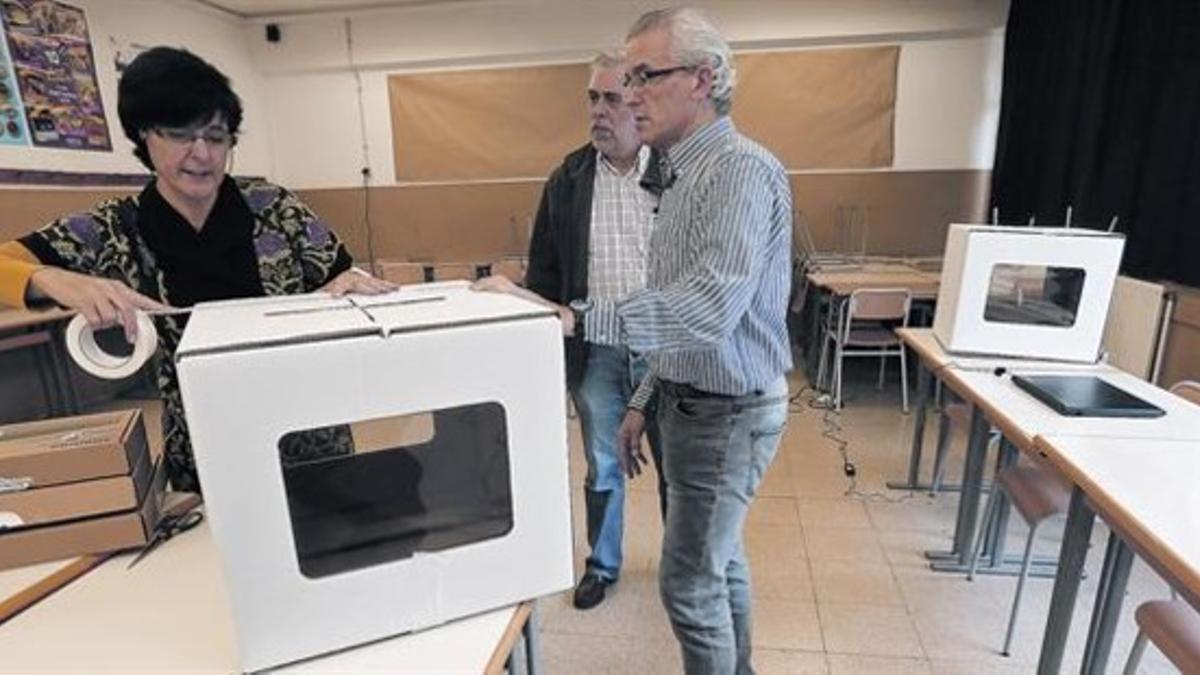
214 136
640 77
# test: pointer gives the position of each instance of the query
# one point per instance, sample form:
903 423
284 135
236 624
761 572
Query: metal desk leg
816 304
1076 536
1110 593
518 658
533 641
60 368
1005 457
924 383
968 500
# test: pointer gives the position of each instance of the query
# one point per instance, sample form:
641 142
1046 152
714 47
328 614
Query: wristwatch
579 307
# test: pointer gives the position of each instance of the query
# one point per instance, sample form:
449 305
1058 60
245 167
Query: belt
681 390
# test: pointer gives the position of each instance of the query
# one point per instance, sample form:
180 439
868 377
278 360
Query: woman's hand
102 302
501 284
355 280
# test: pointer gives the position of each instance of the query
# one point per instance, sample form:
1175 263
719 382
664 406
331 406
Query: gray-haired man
711 324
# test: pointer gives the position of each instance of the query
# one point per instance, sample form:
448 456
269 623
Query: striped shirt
713 314
622 218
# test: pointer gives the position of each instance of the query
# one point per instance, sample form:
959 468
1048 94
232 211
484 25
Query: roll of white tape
81 345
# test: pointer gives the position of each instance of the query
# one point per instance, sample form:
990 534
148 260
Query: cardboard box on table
1026 292
326 554
89 486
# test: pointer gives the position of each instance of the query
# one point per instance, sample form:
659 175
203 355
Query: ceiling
257 9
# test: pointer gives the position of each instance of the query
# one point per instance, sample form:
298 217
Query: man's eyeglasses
215 136
640 77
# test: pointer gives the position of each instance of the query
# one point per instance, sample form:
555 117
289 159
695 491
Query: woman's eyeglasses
214 136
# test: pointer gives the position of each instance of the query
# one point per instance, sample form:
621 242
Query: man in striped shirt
711 323
589 243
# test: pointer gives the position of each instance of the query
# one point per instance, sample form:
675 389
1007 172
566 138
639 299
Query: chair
863 330
1188 390
955 414
1174 628
1171 625
1037 494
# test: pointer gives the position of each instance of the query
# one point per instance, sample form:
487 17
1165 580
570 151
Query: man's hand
102 302
629 443
356 281
501 284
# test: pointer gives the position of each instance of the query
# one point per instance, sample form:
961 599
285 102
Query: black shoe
590 591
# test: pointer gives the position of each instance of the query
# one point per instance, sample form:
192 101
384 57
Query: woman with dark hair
192 235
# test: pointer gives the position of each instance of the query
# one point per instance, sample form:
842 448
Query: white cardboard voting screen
998 288
253 371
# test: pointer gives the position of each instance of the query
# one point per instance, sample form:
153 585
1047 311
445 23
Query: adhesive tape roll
81 345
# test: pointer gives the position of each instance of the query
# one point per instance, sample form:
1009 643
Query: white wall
303 125
948 103
948 81
214 36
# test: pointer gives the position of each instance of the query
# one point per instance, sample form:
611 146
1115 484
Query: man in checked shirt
711 323
588 250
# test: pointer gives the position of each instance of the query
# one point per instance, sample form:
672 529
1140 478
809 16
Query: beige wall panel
23 210
444 223
907 211
491 123
820 109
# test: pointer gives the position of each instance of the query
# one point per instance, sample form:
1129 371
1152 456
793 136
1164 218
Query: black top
216 262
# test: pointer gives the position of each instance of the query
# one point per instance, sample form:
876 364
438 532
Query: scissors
168 527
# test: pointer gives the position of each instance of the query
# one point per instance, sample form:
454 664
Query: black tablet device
1085 396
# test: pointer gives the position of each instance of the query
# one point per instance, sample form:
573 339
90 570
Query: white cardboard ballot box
323 552
1026 292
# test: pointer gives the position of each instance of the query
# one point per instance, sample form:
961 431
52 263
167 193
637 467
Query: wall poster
12 115
52 57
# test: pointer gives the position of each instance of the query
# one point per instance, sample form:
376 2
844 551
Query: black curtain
1101 111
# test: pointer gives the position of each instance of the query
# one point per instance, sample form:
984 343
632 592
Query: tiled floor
840 582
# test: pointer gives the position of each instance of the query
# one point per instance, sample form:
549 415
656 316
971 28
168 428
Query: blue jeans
715 453
609 380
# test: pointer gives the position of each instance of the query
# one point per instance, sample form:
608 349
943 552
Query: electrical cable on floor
832 430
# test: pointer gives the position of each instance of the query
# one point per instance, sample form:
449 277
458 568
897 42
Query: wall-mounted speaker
273 33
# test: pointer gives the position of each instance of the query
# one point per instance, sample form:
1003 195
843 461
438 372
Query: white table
1025 423
933 361
170 612
1145 491
1020 418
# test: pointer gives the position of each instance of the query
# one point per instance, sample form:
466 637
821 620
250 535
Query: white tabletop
170 613
1022 417
926 345
1146 490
